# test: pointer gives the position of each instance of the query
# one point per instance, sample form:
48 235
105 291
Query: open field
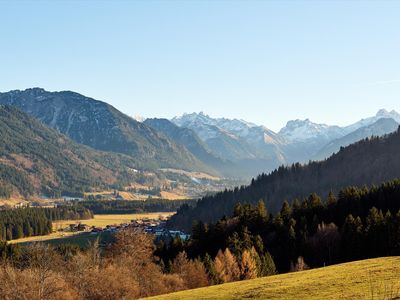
199 175
98 221
367 279
173 196
176 194
42 238
104 220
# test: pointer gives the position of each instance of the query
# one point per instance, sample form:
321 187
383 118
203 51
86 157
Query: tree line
25 222
356 223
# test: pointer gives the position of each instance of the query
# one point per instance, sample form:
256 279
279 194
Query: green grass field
368 279
82 240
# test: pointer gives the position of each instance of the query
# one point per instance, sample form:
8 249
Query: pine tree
267 265
210 268
331 199
352 238
286 211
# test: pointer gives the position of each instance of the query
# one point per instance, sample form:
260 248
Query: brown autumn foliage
24 284
192 271
248 266
38 277
126 270
226 266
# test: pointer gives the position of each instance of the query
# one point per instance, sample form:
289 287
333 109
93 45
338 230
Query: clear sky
266 62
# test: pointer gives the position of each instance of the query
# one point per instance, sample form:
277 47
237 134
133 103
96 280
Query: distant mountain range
257 149
193 142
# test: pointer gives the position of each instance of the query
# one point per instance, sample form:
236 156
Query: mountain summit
302 130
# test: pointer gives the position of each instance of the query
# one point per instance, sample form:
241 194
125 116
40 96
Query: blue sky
264 61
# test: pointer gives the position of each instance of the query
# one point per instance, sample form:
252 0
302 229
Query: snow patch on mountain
208 128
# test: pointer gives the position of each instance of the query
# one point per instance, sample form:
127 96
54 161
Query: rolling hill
367 279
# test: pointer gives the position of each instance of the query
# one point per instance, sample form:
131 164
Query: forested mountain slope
370 161
101 126
35 159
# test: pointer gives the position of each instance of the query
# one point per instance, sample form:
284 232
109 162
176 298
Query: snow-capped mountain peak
232 127
302 130
381 114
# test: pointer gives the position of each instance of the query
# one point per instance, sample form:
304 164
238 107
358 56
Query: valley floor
98 221
367 279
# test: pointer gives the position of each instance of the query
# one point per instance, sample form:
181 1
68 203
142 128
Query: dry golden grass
367 279
199 175
173 196
178 194
52 236
103 193
13 201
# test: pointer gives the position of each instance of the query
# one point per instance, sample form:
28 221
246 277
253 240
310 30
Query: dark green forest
370 161
356 223
25 222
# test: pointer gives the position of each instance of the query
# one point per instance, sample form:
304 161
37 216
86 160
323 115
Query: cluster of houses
149 226
160 231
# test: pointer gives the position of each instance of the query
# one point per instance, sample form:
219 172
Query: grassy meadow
367 279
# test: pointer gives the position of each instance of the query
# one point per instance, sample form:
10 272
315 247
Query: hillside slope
368 162
35 159
367 279
101 126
